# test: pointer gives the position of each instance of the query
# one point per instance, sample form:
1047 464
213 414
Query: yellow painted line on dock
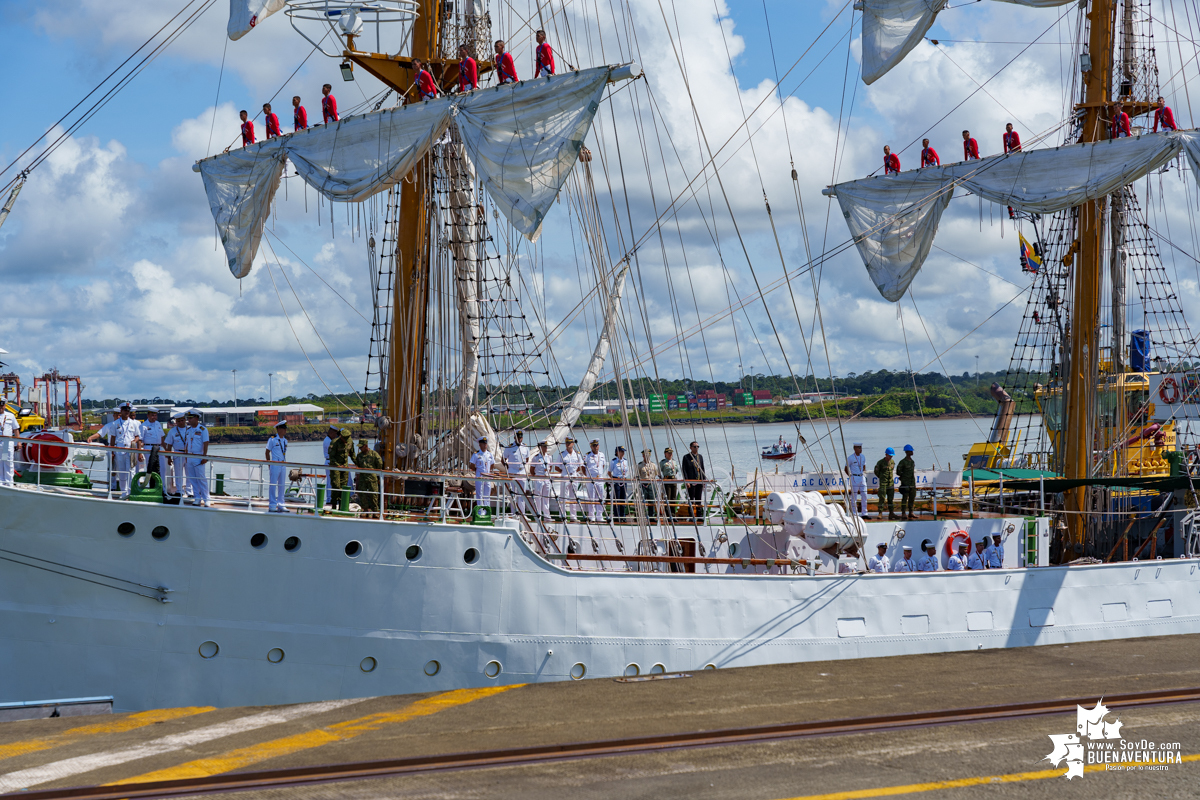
959 783
125 723
338 732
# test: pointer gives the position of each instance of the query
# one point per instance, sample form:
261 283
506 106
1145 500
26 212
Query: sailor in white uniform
880 562
516 455
570 465
856 468
8 427
277 451
176 442
958 561
595 465
993 556
975 560
905 564
928 562
122 432
541 466
483 461
618 470
151 434
196 444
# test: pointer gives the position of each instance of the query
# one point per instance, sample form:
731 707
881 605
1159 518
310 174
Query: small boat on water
780 451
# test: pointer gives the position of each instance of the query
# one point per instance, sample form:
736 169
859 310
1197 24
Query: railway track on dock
488 759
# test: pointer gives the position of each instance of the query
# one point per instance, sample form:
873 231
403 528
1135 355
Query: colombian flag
1030 260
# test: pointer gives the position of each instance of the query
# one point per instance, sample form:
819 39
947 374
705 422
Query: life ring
1172 397
953 540
47 455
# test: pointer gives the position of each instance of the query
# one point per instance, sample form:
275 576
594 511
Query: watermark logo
1097 741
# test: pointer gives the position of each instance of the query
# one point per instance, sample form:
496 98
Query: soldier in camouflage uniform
341 452
887 487
367 483
906 471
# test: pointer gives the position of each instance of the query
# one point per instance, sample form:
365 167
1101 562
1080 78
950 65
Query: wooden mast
1082 369
405 381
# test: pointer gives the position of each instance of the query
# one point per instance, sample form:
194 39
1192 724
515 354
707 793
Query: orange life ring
46 454
953 539
1173 397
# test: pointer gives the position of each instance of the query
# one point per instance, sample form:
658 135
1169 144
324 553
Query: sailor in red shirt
505 67
1163 114
299 115
1012 142
426 88
328 104
891 161
247 130
970 147
468 70
545 56
929 156
1120 123
270 121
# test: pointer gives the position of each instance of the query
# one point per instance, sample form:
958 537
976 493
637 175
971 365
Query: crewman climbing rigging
1012 142
299 115
891 161
270 121
468 70
505 67
247 129
1163 115
545 56
426 88
970 147
929 156
328 104
1120 123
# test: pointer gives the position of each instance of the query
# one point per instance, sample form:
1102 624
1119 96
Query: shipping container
712 403
673 403
692 405
720 401
764 401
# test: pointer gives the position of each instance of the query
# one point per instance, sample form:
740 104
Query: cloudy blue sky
111 269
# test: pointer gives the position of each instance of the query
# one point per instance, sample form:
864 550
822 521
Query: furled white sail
892 28
570 414
522 141
350 160
245 14
894 218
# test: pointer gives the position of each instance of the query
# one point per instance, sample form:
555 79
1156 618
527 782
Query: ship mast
1083 365
403 385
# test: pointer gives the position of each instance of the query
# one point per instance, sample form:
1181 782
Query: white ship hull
63 636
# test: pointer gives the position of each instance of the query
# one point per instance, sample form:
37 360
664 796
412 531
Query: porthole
432 668
733 549
632 670
353 549
258 541
578 671
126 529
471 556
412 553
275 655
710 666
657 669
291 544
209 649
492 669
367 664
160 532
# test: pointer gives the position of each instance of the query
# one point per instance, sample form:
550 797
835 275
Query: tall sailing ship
154 604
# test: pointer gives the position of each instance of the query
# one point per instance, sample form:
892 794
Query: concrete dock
968 760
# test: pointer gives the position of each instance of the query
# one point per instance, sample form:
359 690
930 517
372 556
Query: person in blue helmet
884 468
906 471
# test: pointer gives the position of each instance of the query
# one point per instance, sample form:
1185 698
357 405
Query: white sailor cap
125 404
193 412
882 544
178 415
519 432
857 444
908 548
281 424
482 439
595 441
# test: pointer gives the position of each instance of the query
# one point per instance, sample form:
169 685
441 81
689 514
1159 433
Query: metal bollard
319 502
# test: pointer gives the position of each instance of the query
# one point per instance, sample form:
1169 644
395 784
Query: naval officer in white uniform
176 442
905 564
879 562
928 562
196 436
483 461
856 468
122 432
993 556
595 465
151 434
516 455
277 451
570 465
541 467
